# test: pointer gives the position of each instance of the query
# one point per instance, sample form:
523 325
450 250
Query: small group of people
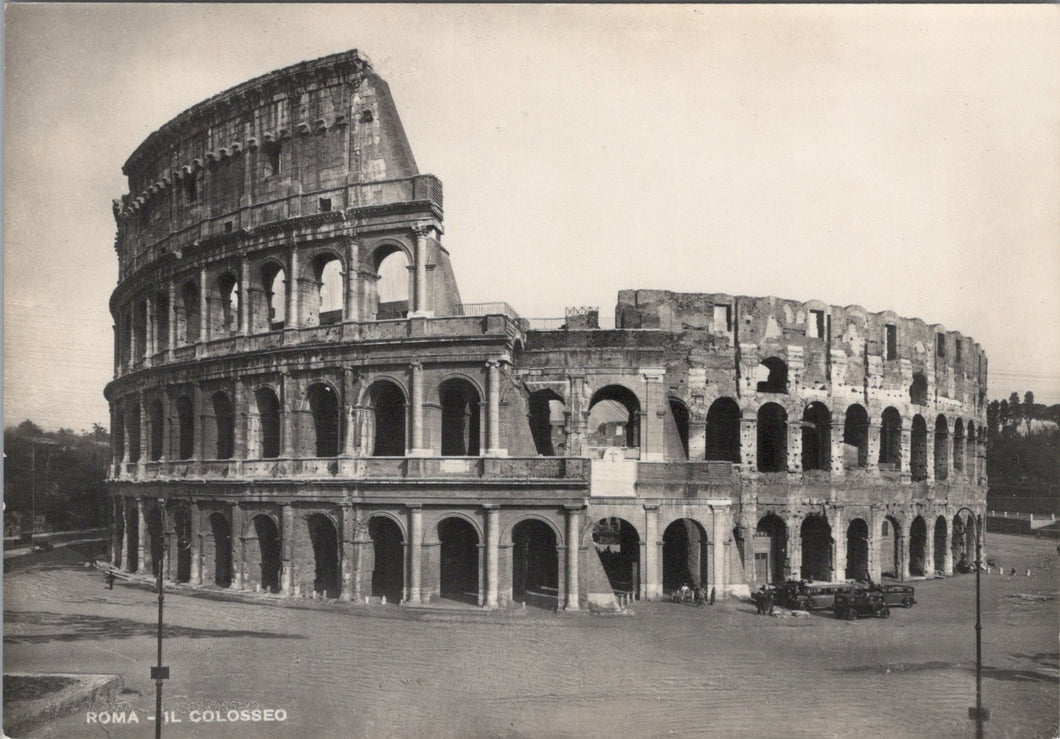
764 601
695 595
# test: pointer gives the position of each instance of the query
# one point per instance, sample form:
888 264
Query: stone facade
303 405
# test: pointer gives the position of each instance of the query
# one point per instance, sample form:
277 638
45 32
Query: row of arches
209 308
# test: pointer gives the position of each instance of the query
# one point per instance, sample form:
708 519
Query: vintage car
898 595
853 603
818 596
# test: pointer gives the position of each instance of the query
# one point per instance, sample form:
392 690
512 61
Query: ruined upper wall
313 129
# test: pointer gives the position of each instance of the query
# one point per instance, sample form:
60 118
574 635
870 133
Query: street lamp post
979 713
160 672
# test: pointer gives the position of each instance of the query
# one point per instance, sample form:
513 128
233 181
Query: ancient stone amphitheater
302 405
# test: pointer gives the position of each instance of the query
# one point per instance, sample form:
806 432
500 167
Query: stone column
171 292
420 279
720 535
287 404
793 556
794 461
415 553
349 399
947 565
573 548
652 560
416 401
149 329
145 430
749 442
244 297
196 544
287 551
123 561
239 554
652 430
875 570
350 282
346 564
493 540
204 307
241 413
902 545
839 545
292 319
872 464
837 467
141 533
929 548
493 427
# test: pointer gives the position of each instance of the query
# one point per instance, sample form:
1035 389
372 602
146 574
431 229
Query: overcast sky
899 157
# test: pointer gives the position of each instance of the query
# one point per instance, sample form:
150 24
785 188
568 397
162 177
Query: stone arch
389 295
219 548
892 555
771 549
890 439
388 557
269 425
328 272
723 431
918 547
228 296
323 433
614 418
535 562
817 548
857 565
942 448
461 426
617 544
271 311
224 425
772 433
941 536
772 375
459 558
685 555
816 437
324 537
856 437
918 467
384 433
547 421
269 552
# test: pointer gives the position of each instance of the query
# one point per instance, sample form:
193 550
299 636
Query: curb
21 717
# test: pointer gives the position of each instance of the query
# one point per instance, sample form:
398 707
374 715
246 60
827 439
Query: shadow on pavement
77 626
997 673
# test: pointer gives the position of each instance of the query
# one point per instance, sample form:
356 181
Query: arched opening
186 427
327 270
816 437
918 390
618 546
274 282
325 540
155 413
461 406
228 293
816 548
219 548
547 422
772 376
156 539
269 553
958 445
324 408
225 425
940 544
918 452
535 564
132 432
387 405
132 537
971 454
857 551
189 295
140 331
388 573
771 549
942 448
685 558
964 533
918 547
182 529
772 438
162 321
891 548
389 291
268 423
890 439
856 437
614 418
117 438
459 560
679 426
723 431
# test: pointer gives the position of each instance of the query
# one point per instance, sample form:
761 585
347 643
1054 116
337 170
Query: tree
1028 398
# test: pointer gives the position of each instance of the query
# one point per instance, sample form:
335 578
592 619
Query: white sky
895 157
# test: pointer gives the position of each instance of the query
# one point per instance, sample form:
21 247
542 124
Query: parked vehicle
898 595
818 596
854 603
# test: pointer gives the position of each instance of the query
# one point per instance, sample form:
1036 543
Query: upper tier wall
261 152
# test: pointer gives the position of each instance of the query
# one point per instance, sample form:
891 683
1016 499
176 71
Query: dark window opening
224 419
940 345
228 227
325 205
460 418
186 426
892 341
269 423
958 350
816 437
918 453
815 327
772 438
856 437
680 420
890 439
723 431
273 160
388 418
325 540
324 407
918 390
942 448
191 189
775 371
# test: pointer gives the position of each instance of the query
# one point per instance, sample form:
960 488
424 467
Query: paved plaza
668 670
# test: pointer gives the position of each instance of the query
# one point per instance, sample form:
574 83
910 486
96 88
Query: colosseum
302 406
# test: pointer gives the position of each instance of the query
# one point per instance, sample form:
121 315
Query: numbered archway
325 542
535 564
459 560
685 555
388 547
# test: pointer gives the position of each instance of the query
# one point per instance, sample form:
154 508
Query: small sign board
974 713
160 673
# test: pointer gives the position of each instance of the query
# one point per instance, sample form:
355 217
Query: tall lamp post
160 672
979 713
